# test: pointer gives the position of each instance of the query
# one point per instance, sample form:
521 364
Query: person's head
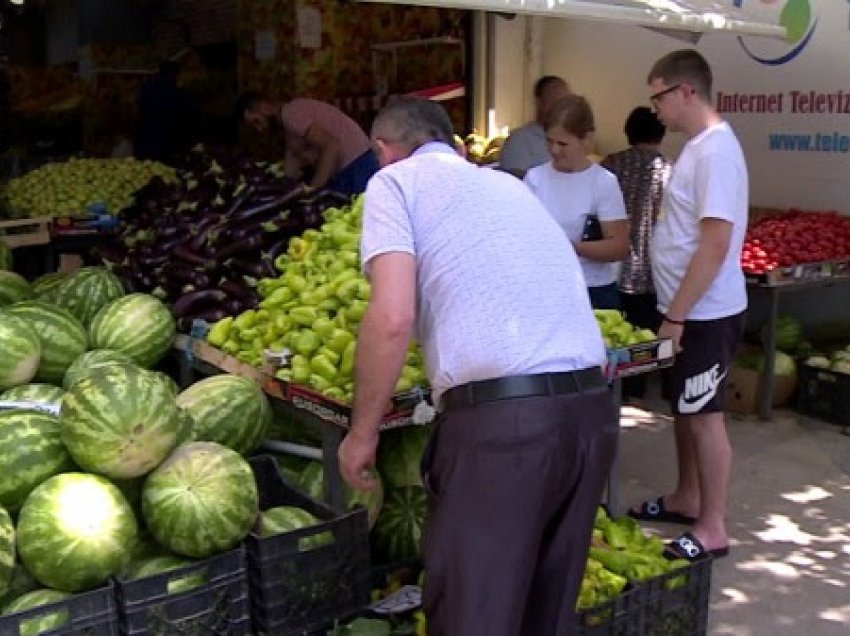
548 90
569 129
679 83
258 111
407 123
644 127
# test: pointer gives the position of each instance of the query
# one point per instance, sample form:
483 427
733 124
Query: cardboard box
744 390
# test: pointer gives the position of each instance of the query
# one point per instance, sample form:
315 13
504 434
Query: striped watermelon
7 551
201 500
21 582
49 621
400 455
32 451
229 410
34 394
138 325
88 289
13 288
20 351
165 563
86 363
63 337
312 479
288 518
44 287
120 422
74 530
397 535
6 260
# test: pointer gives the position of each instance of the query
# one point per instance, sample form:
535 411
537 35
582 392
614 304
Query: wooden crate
23 232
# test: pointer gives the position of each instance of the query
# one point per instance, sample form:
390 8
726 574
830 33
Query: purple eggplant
197 301
184 253
291 195
239 291
247 244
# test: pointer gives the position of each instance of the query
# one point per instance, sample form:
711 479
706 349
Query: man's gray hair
413 121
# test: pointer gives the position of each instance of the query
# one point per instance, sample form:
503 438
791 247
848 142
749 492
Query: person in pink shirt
318 136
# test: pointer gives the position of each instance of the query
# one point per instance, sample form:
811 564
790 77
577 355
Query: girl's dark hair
644 127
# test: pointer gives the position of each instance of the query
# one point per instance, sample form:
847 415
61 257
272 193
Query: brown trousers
513 490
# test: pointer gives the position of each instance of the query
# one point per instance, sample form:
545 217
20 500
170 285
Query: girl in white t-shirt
573 188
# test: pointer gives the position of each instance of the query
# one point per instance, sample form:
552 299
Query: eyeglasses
657 96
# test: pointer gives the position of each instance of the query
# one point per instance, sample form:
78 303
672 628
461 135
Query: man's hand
357 455
674 332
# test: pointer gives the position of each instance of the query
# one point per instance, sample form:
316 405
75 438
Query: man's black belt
520 386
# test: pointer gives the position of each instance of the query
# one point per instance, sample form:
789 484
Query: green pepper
263 315
295 282
323 326
267 286
346 290
350 258
306 342
284 374
335 393
278 297
403 384
247 335
245 320
321 365
356 310
219 331
230 346
304 316
339 340
346 364
319 383
281 262
331 355
364 289
331 305
282 323
300 367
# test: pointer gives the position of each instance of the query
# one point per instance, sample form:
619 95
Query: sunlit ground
788 573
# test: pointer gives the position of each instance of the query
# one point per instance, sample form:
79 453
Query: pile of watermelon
106 468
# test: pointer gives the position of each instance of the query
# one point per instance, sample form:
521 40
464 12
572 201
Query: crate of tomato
797 245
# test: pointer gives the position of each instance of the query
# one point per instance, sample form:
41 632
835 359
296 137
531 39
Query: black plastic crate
219 606
824 394
673 604
89 613
294 591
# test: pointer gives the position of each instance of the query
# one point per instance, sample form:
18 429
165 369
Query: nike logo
700 389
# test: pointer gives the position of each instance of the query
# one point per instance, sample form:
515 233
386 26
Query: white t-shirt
524 148
709 180
570 197
499 289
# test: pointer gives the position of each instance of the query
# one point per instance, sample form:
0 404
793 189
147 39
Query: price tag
52 409
402 600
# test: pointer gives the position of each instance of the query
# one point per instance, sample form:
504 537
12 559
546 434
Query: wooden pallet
23 232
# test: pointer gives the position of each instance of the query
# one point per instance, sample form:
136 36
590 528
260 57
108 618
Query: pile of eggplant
202 243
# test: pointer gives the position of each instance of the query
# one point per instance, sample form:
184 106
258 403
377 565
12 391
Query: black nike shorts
696 383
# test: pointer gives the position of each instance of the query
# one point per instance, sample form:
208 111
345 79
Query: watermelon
201 500
90 361
49 621
20 351
7 551
32 451
6 260
120 422
283 519
397 535
74 530
63 337
85 291
21 582
400 455
227 409
312 482
153 565
44 287
138 325
13 288
34 394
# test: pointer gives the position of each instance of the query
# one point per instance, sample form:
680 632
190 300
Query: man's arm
382 344
329 152
714 242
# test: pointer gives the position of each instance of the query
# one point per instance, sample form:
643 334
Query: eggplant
184 324
242 266
184 253
182 273
152 261
247 244
194 302
275 203
276 249
239 201
239 291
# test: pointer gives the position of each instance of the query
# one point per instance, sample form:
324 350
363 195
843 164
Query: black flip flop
689 548
657 512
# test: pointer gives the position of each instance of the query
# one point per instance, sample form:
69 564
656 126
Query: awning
696 16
